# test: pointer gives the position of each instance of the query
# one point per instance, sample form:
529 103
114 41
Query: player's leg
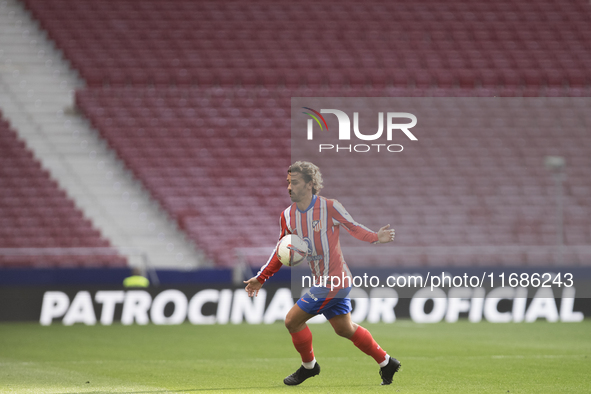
344 326
362 338
301 336
296 319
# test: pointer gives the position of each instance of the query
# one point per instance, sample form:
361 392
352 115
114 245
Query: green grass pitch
445 358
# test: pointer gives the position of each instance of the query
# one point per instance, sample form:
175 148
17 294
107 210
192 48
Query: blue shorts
320 300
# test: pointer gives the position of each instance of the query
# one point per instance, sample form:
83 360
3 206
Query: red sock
302 341
365 342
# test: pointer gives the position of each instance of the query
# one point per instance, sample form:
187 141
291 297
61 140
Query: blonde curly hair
310 172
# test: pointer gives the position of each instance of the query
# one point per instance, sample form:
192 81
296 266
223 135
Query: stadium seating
180 42
217 165
39 225
194 98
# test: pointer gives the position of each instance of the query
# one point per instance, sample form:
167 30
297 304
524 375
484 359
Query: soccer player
317 220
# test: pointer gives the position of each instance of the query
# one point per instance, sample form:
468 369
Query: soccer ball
292 250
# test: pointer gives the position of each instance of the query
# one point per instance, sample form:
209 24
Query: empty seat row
376 78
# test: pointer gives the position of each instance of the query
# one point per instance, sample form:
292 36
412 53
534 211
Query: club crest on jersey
317 225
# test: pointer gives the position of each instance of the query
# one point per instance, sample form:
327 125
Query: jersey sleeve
340 216
273 264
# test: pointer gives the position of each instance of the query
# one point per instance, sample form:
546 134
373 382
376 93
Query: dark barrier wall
109 276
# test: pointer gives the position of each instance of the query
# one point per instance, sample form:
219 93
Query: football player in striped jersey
318 221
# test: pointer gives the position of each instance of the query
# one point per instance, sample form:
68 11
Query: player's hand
253 286
385 235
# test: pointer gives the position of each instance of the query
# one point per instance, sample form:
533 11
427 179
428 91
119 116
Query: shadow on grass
236 389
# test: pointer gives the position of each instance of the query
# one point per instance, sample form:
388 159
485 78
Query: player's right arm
254 284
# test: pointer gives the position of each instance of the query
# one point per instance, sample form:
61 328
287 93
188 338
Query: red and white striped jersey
319 226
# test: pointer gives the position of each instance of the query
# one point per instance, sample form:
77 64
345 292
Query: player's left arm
385 234
359 231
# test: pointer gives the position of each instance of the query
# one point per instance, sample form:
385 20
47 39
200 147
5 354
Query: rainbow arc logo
315 116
